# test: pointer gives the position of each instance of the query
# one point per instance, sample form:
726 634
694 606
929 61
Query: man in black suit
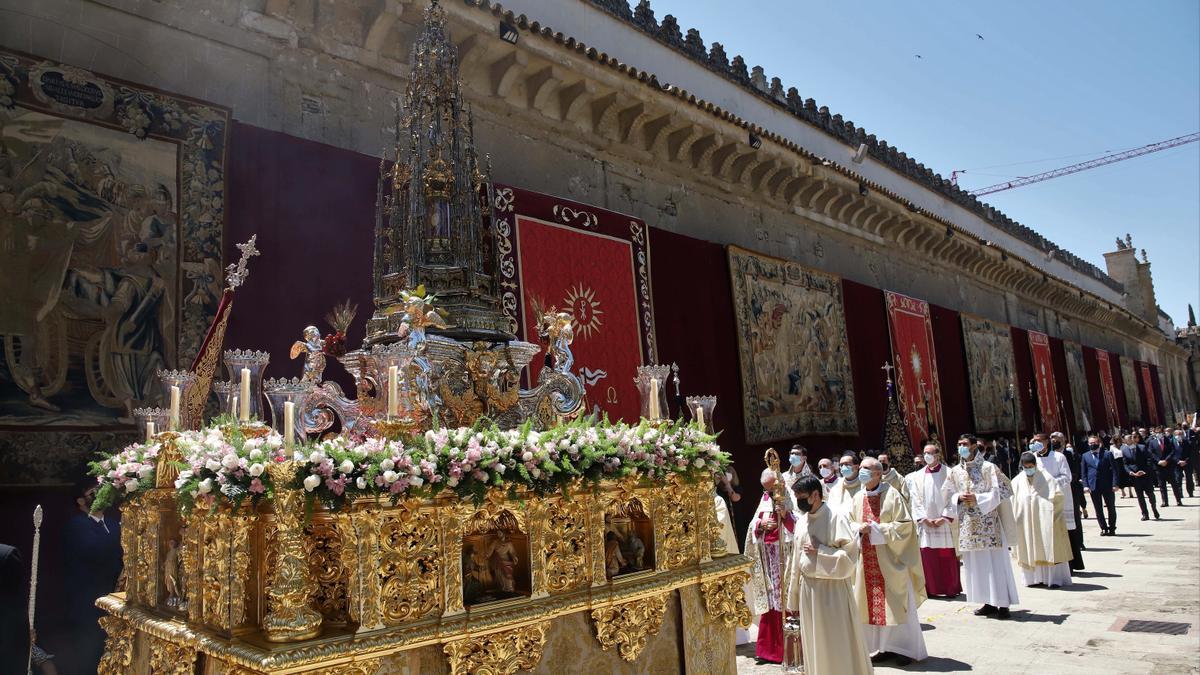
14 622
1099 478
1167 455
1139 466
1187 459
91 545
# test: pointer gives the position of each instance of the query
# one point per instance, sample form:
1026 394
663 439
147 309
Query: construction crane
1082 166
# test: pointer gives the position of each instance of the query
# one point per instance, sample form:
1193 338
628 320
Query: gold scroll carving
725 600
290 616
565 543
118 646
409 565
225 568
360 556
629 625
675 526
501 653
364 667
323 546
171 658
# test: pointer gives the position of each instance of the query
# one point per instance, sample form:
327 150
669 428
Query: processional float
441 518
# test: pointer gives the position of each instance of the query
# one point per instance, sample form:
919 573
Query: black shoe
986 610
1178 503
1156 517
1145 517
881 657
902 660
1103 533
1002 613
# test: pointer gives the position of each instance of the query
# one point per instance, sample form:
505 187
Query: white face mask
826 472
929 459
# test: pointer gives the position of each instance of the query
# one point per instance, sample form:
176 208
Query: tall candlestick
654 411
700 417
149 431
393 391
289 424
244 410
173 425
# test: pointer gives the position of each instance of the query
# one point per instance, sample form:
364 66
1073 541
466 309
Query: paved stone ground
1150 571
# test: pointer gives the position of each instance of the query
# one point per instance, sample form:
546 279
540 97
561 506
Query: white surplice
841 495
1055 464
928 503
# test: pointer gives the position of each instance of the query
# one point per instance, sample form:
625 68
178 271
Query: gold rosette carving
629 625
501 653
118 647
171 658
725 600
290 616
410 565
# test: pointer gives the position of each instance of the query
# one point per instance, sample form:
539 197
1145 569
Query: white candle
174 423
654 411
244 410
700 417
149 431
393 391
289 423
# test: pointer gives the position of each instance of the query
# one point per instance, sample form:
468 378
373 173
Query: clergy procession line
863 546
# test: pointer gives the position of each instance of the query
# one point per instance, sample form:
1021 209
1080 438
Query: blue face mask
1036 447
1030 470
847 472
864 475
964 451
797 460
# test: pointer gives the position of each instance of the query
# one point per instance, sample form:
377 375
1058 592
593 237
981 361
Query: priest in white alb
936 526
1041 547
980 495
1054 462
772 520
841 495
820 590
890 583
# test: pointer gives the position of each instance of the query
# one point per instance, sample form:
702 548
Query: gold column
535 516
290 616
225 568
597 504
451 517
360 552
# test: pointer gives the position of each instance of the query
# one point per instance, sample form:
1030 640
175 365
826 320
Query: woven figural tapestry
990 370
795 359
1133 402
1077 379
111 214
1043 376
916 367
592 263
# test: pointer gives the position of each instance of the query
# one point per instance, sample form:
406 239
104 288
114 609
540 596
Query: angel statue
313 346
419 315
558 330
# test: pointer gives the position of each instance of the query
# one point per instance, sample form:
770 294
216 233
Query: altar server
820 586
1054 462
936 528
1040 547
766 575
980 493
842 492
889 583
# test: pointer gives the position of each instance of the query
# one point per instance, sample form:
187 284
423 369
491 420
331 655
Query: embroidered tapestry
1043 372
592 263
111 210
1129 383
1107 388
795 362
916 367
991 371
1077 380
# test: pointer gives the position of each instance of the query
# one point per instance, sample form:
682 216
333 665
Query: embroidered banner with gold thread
916 366
1107 388
1148 390
1043 371
588 261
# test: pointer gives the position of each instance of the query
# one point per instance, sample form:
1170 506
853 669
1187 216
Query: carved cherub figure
314 347
419 315
558 330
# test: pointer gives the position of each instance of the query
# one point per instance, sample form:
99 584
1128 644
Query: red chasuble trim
873 576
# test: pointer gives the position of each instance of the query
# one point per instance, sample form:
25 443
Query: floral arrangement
124 474
224 465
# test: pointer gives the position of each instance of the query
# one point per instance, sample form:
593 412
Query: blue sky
1059 81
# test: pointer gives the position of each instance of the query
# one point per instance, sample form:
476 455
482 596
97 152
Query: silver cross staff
37 544
237 273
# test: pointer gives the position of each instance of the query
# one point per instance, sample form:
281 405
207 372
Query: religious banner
1148 387
592 263
116 192
1077 381
1129 382
795 359
992 374
1043 377
916 366
1107 388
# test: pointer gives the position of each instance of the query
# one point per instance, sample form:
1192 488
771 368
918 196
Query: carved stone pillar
290 616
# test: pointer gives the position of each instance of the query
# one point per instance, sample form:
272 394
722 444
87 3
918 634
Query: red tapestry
592 263
916 366
1107 389
1148 389
1043 371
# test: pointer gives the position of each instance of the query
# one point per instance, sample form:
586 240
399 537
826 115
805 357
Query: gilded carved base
629 625
725 599
118 646
501 653
171 658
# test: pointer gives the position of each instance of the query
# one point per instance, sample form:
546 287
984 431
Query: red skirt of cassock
769 646
941 572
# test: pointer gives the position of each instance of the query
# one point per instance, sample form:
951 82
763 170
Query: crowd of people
845 555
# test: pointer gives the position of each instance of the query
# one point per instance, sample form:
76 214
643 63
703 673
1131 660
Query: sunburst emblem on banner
586 309
915 359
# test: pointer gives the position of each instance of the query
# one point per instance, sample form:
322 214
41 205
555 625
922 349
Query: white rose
311 482
346 466
535 472
205 486
131 485
145 471
361 483
256 469
417 482
390 476
185 474
698 462
256 454
414 470
316 457
229 461
213 465
527 457
387 465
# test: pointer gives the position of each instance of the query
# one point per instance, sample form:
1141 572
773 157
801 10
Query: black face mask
1094 446
803 506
